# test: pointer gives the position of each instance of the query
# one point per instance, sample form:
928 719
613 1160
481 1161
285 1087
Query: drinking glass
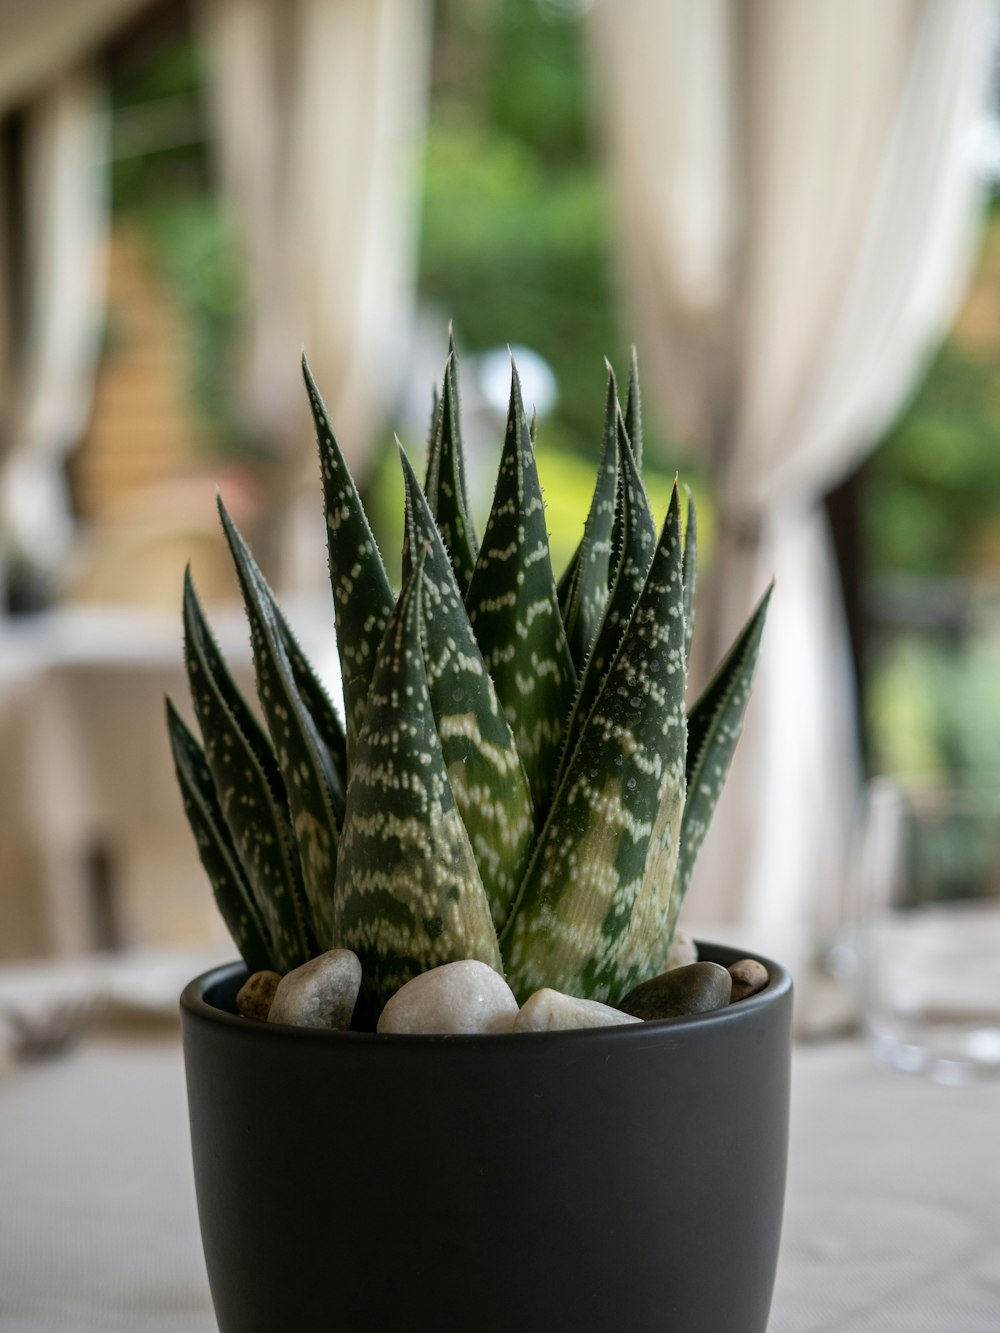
931 929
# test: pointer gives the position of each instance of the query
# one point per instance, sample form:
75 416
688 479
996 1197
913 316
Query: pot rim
194 1004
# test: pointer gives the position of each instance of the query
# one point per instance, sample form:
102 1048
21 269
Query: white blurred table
892 1220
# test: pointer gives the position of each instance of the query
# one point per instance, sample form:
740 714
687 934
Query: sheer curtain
319 109
797 199
53 197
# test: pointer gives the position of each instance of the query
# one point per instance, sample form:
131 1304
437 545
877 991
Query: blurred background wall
783 202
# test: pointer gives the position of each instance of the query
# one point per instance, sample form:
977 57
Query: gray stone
320 994
467 996
682 951
254 997
697 988
551 1010
749 977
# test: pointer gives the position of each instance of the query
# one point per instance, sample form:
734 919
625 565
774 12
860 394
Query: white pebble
466 996
320 994
682 951
551 1010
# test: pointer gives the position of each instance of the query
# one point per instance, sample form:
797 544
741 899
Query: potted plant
516 791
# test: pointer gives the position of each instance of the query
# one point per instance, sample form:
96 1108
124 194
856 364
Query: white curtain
54 202
796 190
319 108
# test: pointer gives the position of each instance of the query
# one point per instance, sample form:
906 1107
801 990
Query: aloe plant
516 778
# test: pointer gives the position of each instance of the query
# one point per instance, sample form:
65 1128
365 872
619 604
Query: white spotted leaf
216 851
591 916
312 784
583 594
409 894
445 486
514 611
485 771
362 597
638 542
250 790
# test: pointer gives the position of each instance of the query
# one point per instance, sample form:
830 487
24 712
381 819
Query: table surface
892 1219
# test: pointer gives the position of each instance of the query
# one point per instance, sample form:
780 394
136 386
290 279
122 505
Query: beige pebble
749 977
552 1011
683 951
319 994
256 995
465 996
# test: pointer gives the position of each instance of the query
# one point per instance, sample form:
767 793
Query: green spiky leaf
638 542
690 573
362 597
585 593
591 915
633 409
633 428
435 410
409 895
515 614
318 704
216 851
564 586
484 769
505 777
714 726
445 486
250 790
201 651
312 783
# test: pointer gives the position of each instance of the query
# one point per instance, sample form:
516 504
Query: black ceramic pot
615 1180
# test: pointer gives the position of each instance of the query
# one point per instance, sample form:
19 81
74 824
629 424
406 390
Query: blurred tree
933 486
515 237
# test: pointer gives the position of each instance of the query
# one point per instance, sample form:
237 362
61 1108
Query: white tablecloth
892 1220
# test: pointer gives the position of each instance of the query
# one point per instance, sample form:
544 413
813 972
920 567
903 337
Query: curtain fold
319 109
785 304
53 195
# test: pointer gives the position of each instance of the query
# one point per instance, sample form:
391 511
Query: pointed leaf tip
362 597
512 601
445 486
584 591
633 408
